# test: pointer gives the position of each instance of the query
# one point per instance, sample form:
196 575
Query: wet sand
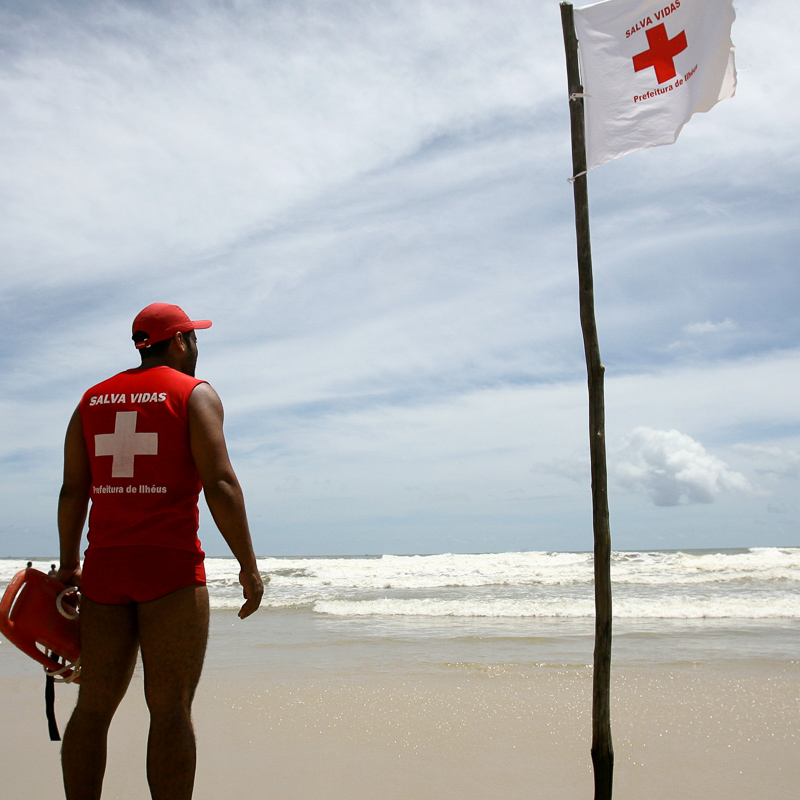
466 731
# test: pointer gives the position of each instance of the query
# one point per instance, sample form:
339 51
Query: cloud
132 137
702 328
672 468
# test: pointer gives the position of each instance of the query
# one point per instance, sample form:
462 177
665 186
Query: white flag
647 66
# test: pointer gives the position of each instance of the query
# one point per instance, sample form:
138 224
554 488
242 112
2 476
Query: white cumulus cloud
672 468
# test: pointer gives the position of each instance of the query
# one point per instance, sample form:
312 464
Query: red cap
162 321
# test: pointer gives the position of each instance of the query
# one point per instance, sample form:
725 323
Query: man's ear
179 339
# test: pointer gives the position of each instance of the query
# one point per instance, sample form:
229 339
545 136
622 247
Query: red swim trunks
139 574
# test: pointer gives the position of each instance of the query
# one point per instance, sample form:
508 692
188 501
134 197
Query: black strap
50 707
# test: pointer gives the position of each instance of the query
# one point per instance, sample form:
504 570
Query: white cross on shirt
124 444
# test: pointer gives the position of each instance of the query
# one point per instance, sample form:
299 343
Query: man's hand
69 575
252 591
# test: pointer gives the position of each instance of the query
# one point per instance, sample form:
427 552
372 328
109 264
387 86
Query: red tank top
144 482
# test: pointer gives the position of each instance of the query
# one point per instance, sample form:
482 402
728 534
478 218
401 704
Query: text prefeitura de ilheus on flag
647 67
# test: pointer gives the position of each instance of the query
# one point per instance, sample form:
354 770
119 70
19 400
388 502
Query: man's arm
221 488
73 501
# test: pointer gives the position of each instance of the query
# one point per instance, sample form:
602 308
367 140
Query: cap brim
198 324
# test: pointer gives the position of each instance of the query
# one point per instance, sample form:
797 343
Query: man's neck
165 361
149 363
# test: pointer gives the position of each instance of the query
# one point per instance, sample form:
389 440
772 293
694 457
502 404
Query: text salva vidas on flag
647 67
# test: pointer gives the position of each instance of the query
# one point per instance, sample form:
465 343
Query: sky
370 201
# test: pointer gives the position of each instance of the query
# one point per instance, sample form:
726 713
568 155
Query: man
140 446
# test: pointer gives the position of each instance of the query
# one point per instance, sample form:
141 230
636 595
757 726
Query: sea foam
757 583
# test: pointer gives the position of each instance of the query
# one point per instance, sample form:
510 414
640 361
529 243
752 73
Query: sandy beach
457 730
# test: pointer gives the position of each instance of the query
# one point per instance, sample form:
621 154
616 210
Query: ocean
529 608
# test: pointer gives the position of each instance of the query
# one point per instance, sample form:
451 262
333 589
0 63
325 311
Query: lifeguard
141 456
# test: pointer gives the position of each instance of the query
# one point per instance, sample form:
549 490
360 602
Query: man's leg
173 632
108 654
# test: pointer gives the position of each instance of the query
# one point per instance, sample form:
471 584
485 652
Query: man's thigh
109 644
173 632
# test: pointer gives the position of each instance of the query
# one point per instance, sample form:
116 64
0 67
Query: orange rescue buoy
39 615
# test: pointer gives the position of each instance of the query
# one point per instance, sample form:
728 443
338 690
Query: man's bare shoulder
204 402
203 391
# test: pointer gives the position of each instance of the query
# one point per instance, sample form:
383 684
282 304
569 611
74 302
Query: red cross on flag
647 66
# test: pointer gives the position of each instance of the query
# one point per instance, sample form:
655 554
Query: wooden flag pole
602 748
